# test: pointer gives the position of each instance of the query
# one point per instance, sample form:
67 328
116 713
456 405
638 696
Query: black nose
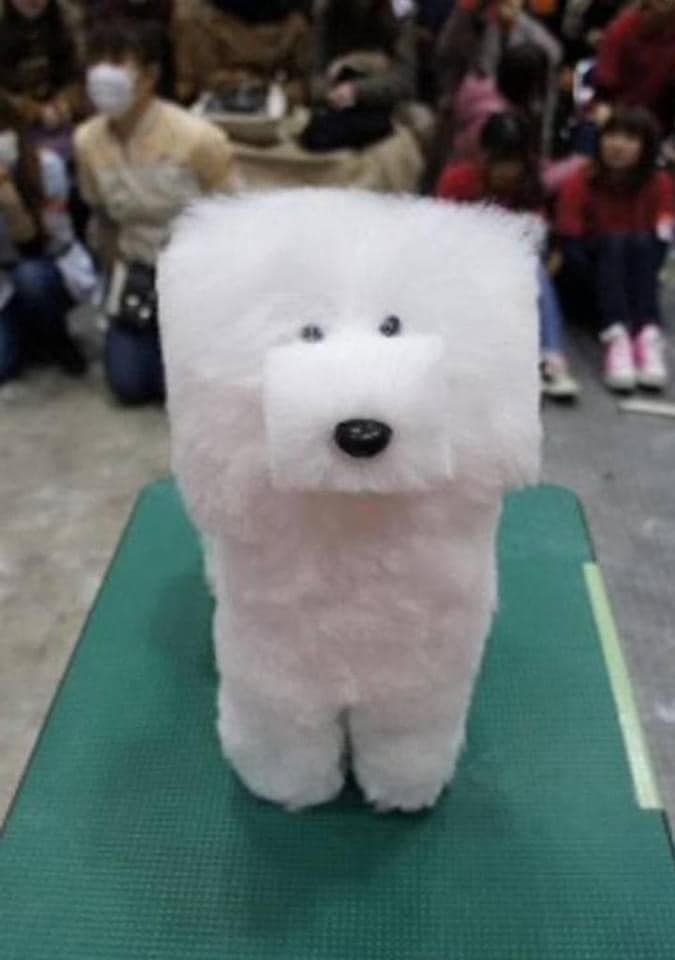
362 438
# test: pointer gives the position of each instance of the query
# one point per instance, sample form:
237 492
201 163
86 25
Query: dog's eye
311 333
391 327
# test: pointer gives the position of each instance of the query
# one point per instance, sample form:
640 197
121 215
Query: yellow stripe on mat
638 756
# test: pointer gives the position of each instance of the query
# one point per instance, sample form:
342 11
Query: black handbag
137 304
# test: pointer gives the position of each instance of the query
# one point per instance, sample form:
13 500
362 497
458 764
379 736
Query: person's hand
342 96
668 151
55 114
334 69
601 113
566 80
554 262
664 229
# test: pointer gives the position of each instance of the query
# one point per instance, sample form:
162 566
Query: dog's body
340 443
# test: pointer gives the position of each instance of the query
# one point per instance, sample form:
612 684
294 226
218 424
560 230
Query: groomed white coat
354 593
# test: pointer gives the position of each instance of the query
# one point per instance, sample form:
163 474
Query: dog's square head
359 343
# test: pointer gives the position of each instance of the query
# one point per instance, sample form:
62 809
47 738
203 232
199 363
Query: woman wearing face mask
40 62
227 45
158 12
140 161
44 270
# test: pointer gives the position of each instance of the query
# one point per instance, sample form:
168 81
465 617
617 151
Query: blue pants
621 272
33 322
550 315
133 365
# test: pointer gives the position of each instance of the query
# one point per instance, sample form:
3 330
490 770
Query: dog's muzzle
362 438
358 413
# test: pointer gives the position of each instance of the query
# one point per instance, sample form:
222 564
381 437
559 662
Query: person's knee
130 369
128 383
36 281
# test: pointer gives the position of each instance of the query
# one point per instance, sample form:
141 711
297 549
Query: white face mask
9 149
111 88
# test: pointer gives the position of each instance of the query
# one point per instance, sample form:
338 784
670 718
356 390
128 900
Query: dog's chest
369 552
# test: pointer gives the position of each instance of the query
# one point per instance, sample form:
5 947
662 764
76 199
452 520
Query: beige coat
136 188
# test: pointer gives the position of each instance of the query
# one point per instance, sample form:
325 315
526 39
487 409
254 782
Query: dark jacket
40 58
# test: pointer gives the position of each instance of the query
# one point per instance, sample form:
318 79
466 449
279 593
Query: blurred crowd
115 114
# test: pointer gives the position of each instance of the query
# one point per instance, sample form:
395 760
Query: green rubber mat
130 839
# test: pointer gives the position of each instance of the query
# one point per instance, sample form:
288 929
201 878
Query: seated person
473 41
615 218
583 25
44 269
519 85
223 46
507 174
364 67
475 36
636 60
140 161
40 62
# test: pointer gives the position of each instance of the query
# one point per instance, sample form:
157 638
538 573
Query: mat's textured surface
131 840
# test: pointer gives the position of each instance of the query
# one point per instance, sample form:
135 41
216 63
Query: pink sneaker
619 367
649 359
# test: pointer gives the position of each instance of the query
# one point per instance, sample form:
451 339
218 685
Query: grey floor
72 465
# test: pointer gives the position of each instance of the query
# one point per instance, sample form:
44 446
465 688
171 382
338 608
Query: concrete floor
72 465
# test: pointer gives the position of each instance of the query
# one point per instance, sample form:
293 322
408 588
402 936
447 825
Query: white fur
353 595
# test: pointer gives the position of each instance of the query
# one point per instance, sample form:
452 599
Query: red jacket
587 209
465 183
636 64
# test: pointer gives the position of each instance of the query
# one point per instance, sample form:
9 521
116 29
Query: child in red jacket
615 218
507 174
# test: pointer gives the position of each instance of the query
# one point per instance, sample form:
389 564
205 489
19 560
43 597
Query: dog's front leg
283 750
405 749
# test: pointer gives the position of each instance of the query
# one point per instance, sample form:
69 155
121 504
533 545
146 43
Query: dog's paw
410 798
293 795
315 795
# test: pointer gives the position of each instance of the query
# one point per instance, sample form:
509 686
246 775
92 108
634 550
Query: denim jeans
550 315
133 365
33 322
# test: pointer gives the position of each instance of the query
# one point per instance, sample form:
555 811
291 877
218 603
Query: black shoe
70 358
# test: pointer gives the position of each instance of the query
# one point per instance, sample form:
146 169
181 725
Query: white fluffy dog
352 388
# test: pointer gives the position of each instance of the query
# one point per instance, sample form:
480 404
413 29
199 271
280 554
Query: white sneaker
619 368
556 380
649 358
